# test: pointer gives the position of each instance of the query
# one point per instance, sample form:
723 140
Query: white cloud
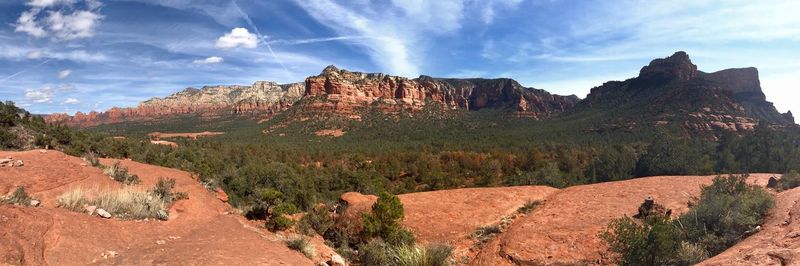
79 24
39 96
27 23
48 3
238 37
72 101
46 93
64 73
62 25
210 60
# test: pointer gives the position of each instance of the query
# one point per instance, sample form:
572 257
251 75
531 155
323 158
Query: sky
84 55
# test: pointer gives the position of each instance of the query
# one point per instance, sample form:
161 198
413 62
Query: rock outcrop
338 91
676 67
672 91
343 91
261 99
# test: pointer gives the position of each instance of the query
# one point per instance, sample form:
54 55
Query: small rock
103 213
19 163
174 237
90 209
160 242
337 260
793 235
84 164
222 196
322 263
163 215
5 161
35 203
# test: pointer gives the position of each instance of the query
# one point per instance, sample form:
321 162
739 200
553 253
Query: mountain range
667 91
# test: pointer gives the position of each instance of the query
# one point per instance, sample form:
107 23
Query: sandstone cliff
337 91
262 98
343 91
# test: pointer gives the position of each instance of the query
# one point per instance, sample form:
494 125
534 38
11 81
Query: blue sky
83 55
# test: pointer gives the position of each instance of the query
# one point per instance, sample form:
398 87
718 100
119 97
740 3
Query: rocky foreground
562 227
200 229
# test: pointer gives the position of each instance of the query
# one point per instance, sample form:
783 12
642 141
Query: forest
410 154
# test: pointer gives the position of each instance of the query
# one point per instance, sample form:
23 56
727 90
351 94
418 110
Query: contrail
316 40
24 70
260 36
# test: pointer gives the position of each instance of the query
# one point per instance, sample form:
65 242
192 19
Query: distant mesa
668 91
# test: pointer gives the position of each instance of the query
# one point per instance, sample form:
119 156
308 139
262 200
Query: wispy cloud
395 32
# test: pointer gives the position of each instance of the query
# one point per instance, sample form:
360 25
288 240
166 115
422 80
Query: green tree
384 221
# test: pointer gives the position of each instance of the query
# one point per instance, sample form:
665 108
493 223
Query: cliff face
342 91
337 91
672 90
262 98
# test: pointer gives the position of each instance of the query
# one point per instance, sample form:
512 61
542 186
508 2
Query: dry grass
73 200
126 202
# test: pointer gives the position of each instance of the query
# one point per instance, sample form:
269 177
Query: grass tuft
303 245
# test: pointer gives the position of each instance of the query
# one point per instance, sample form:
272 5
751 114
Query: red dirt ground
564 231
450 216
199 230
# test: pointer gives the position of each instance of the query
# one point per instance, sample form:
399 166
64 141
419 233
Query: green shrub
790 180
279 223
727 209
652 242
303 245
384 221
285 208
163 190
121 174
726 212
318 219
375 252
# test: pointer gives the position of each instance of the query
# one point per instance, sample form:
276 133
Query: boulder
19 163
103 213
337 260
774 183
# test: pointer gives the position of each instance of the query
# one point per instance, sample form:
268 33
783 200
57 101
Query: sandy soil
165 143
777 244
199 231
565 229
159 135
330 132
450 216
